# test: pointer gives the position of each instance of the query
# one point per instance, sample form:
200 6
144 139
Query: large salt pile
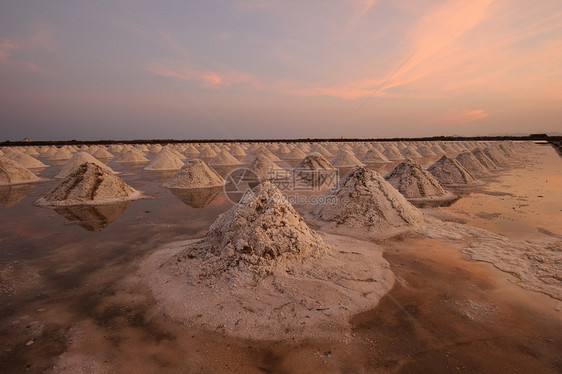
78 159
26 160
271 272
471 163
346 158
363 203
166 160
266 169
393 154
448 171
89 184
195 174
13 173
374 156
414 182
132 155
484 159
224 158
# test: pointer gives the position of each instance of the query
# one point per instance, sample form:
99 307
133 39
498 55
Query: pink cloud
460 116
6 48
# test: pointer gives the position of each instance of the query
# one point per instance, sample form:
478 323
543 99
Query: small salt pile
449 149
26 160
237 151
294 154
448 171
323 151
471 163
195 174
410 152
132 155
414 182
207 152
264 151
484 159
78 159
437 150
393 154
374 156
61 154
283 149
364 204
346 158
315 161
12 172
496 155
89 184
102 153
425 151
224 158
266 169
191 151
166 160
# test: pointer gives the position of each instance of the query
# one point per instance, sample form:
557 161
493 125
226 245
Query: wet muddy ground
72 301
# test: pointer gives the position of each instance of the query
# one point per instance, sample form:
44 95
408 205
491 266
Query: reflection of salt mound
166 160
196 197
393 154
315 161
77 160
362 200
265 168
27 161
132 155
224 158
195 174
89 184
374 156
471 163
484 159
346 158
11 195
255 233
92 217
13 173
414 182
448 171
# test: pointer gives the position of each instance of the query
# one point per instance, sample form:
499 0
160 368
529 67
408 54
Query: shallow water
69 286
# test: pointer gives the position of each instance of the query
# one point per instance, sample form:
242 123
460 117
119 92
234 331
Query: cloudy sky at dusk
127 69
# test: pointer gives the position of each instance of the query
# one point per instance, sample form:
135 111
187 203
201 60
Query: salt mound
264 151
237 151
132 155
224 158
27 161
206 151
449 171
363 203
437 150
166 160
346 158
410 152
261 271
374 155
393 154
414 182
195 174
471 163
484 159
265 168
315 161
295 154
78 159
12 172
324 152
102 153
283 149
61 154
89 184
495 155
425 151
191 151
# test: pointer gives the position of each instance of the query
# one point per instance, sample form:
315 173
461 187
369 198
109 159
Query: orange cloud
6 48
455 116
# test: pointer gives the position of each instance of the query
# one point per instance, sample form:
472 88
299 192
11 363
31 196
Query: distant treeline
544 137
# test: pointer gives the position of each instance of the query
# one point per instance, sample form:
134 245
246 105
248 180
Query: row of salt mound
12 172
78 159
414 182
448 171
496 155
364 203
484 159
195 174
26 160
89 184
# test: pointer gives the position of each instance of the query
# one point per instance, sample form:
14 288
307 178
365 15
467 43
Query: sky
215 69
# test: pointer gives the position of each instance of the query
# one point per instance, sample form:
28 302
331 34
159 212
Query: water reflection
11 195
196 197
92 217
